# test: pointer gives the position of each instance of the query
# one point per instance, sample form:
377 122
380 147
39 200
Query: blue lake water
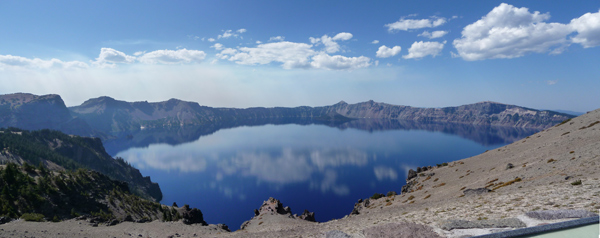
227 173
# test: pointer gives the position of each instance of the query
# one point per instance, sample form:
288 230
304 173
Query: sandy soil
546 163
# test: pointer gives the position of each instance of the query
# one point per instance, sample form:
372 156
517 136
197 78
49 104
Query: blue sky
540 54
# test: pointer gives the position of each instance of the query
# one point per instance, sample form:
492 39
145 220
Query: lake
228 171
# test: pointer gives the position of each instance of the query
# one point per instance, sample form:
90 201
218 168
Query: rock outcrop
191 215
273 209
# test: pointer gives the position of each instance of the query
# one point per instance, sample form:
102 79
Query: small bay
228 171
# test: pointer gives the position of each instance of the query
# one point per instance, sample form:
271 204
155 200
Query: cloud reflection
382 173
276 167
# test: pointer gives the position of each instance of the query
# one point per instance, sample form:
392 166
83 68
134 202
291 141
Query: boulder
509 166
223 227
192 216
307 216
244 225
408 187
476 191
5 220
411 174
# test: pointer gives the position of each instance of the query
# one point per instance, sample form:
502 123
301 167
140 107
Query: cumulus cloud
36 63
217 46
385 52
509 32
420 49
229 33
172 56
110 57
338 62
331 46
433 35
375 42
292 55
588 29
409 24
277 38
296 55
343 36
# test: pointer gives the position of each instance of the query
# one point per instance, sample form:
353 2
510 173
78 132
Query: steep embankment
38 194
59 151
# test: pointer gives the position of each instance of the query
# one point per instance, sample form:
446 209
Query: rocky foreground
549 177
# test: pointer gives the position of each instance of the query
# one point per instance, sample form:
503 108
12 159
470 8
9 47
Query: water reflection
484 135
323 168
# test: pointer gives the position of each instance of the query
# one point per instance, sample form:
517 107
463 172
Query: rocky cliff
106 117
32 112
112 116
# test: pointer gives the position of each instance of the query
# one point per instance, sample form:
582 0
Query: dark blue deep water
229 172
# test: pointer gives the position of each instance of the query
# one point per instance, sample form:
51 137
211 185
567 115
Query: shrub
578 182
377 196
391 193
33 217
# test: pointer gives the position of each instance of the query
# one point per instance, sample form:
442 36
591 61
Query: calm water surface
228 173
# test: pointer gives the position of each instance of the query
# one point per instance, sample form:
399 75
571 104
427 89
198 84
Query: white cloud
217 46
375 42
551 82
338 62
139 53
36 63
292 55
211 39
225 53
172 56
409 24
258 42
330 45
385 52
229 33
420 49
343 36
110 57
509 32
433 35
277 38
588 29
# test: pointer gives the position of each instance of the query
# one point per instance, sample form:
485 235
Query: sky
538 54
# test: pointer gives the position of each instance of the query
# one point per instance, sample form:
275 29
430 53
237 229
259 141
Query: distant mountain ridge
107 116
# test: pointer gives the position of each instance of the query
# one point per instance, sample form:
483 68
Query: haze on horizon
294 53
